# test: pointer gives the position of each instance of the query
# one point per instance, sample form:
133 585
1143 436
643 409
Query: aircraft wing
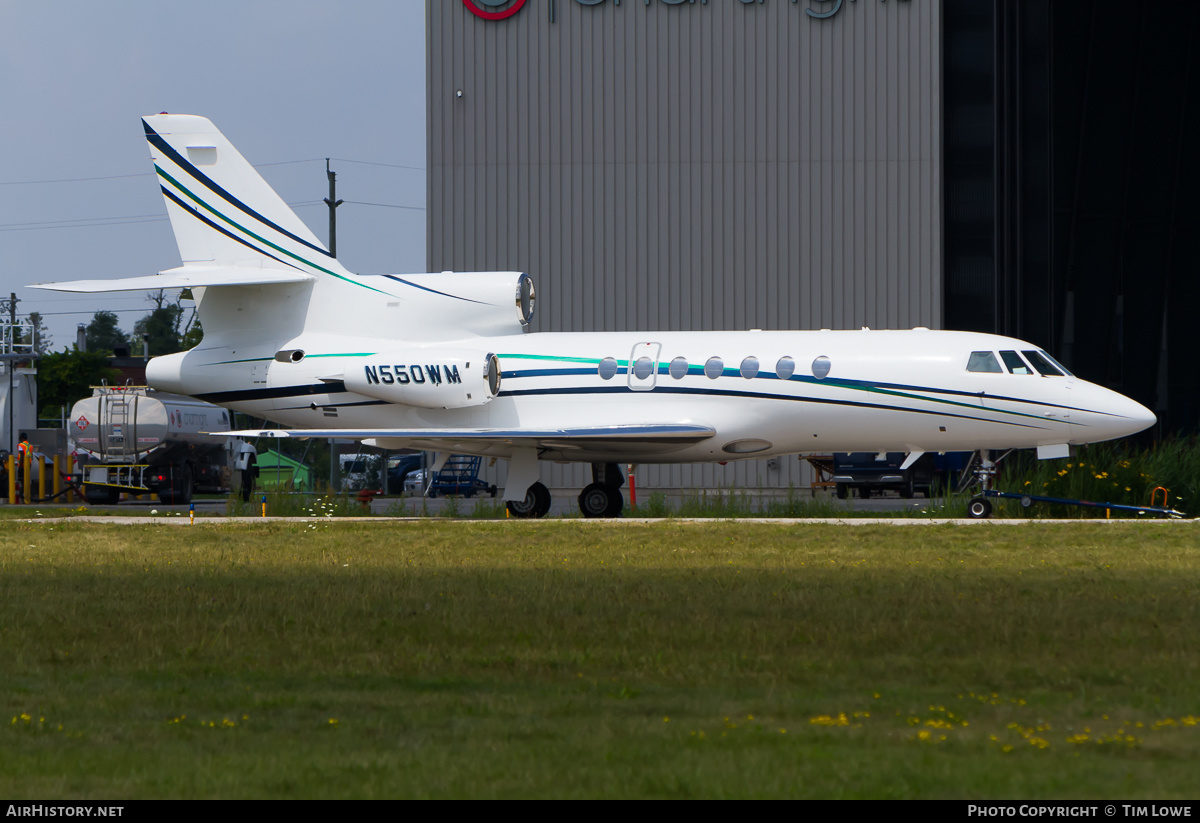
585 438
184 277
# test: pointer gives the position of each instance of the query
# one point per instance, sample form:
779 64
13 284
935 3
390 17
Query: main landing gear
603 497
535 504
600 498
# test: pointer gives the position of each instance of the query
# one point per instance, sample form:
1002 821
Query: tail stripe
195 213
193 196
434 291
183 163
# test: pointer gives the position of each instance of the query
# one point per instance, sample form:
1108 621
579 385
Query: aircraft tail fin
222 211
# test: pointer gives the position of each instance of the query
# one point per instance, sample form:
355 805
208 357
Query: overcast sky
285 80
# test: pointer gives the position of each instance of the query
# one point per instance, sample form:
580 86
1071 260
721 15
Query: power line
112 220
152 174
48 223
373 163
385 205
74 179
112 311
91 298
117 222
289 162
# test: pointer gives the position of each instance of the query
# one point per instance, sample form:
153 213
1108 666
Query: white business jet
443 362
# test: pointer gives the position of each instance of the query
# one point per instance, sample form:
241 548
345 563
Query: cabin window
785 368
643 367
1014 362
820 367
749 367
1040 363
679 368
714 368
984 361
607 368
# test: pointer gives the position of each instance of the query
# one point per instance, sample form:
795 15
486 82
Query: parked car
415 482
400 466
869 473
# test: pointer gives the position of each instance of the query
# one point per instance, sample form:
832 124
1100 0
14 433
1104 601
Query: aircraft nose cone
1141 417
1126 416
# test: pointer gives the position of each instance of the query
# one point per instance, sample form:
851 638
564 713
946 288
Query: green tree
169 326
193 334
67 376
161 326
41 335
103 335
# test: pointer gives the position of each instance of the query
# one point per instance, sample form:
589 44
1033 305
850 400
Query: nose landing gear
979 507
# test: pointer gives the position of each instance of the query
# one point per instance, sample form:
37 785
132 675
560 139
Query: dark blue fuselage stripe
162 145
192 211
830 381
243 395
247 395
334 404
757 395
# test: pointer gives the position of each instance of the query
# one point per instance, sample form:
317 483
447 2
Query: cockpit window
1014 362
1060 366
1042 364
984 361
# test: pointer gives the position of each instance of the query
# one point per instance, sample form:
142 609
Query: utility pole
333 203
10 354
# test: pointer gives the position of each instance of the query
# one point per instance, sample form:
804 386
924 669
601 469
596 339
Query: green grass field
505 659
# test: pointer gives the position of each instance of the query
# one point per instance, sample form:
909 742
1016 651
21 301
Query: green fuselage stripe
847 385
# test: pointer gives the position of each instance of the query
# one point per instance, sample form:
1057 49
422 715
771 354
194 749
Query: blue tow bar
981 507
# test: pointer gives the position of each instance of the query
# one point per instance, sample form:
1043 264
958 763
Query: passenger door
643 366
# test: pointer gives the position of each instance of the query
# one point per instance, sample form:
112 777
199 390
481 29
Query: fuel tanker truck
136 440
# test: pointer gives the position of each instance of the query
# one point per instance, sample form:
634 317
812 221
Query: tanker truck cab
138 441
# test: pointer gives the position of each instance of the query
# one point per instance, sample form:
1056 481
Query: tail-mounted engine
482 303
428 378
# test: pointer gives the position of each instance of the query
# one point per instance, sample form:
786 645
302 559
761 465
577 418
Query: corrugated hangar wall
692 165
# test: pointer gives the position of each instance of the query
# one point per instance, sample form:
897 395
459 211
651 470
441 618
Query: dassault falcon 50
444 361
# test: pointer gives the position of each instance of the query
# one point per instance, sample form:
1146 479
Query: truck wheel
248 480
181 487
840 491
186 482
101 495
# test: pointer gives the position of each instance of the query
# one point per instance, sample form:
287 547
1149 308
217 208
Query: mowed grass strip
444 659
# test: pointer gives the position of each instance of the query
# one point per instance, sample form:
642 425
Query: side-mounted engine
429 378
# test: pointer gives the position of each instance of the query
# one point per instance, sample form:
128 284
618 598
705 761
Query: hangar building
990 165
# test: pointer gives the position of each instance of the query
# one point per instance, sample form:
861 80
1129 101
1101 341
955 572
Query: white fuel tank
125 424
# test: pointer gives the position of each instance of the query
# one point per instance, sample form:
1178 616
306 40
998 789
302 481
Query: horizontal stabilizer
665 433
184 277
